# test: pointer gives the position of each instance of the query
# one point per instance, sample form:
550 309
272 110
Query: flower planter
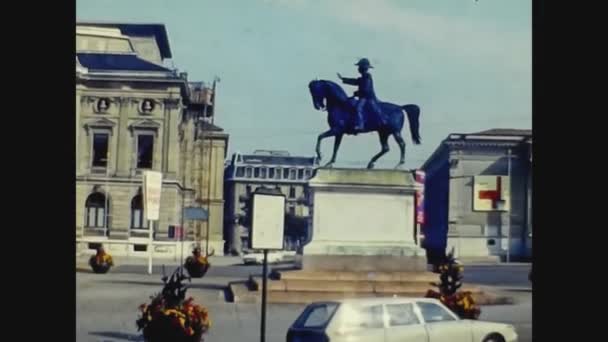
99 267
171 317
163 329
196 270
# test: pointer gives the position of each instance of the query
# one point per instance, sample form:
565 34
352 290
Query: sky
466 63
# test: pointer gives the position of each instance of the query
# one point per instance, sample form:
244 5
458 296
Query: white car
392 319
257 257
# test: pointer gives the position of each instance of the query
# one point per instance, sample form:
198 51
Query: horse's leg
337 141
384 142
399 139
321 137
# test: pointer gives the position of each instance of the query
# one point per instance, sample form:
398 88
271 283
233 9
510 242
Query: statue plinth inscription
362 220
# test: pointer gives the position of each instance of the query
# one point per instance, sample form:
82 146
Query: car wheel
494 338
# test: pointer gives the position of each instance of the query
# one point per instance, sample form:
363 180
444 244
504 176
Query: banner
152 188
420 179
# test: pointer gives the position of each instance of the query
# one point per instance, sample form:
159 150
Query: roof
506 131
277 160
207 126
158 31
117 62
490 137
378 300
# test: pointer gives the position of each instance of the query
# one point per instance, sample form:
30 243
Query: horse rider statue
365 93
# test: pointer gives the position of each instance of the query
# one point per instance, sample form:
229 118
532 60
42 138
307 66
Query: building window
292 173
248 172
285 173
248 190
145 151
100 149
292 192
301 174
263 172
278 173
240 171
271 174
97 209
256 172
137 213
308 173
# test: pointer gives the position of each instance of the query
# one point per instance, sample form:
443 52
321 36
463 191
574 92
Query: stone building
478 195
246 172
204 147
131 116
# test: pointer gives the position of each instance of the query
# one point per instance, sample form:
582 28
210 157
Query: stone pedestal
362 220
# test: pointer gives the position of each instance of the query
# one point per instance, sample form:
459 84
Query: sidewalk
83 261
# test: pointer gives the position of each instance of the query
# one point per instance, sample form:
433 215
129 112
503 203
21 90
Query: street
107 304
505 275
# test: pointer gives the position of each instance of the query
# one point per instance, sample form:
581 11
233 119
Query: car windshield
317 316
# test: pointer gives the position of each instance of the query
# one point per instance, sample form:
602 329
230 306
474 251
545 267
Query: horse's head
318 95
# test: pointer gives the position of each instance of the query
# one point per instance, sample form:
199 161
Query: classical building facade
246 172
478 195
131 116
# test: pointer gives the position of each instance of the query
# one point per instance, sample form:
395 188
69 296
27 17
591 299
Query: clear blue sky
466 63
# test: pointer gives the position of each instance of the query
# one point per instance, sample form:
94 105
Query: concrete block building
478 195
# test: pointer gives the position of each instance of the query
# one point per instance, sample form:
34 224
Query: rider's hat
364 62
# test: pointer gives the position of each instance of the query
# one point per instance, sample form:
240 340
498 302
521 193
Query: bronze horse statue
340 116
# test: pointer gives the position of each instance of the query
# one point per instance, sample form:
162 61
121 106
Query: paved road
506 275
107 305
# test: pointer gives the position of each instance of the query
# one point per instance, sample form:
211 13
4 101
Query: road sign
196 214
268 219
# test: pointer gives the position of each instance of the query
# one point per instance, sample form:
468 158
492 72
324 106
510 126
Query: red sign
493 195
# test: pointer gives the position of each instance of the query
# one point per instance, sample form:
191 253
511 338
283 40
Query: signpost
152 190
267 230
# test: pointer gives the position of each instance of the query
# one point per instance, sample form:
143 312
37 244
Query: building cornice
125 180
482 144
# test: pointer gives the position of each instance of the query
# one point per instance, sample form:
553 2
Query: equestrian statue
361 113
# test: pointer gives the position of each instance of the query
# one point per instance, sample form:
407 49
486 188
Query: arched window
97 209
137 213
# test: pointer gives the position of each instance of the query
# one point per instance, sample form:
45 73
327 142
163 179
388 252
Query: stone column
172 108
123 139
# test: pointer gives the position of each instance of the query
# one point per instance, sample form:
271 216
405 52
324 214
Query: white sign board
152 188
267 222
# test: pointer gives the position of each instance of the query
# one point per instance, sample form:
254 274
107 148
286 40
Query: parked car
391 319
257 257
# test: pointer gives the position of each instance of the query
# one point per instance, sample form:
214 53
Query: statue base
362 220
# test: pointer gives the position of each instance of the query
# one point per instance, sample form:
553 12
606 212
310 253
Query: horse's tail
413 112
